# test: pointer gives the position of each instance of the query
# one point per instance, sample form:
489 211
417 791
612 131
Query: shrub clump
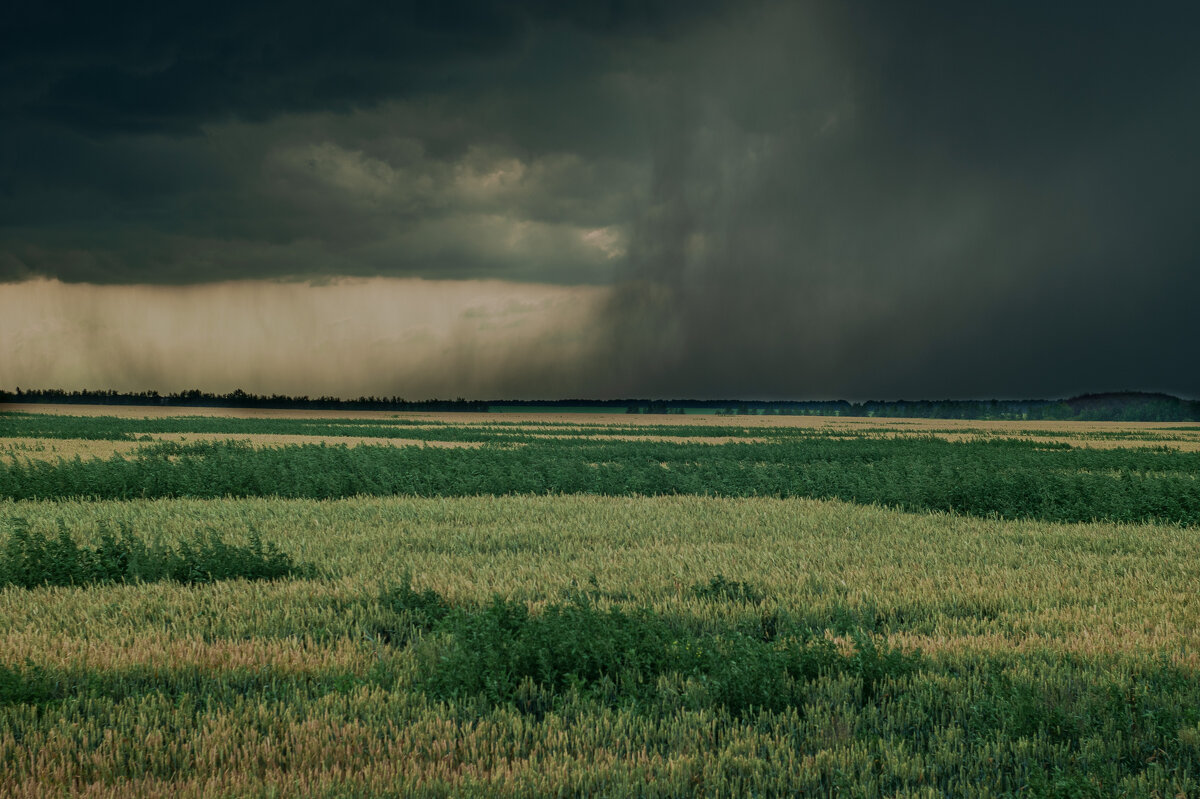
30 559
404 614
504 654
25 686
722 590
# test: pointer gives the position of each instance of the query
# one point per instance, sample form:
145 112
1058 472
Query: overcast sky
707 199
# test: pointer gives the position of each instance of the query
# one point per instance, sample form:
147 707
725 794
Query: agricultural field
378 604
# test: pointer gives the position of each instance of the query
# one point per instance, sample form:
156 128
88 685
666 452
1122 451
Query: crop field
376 604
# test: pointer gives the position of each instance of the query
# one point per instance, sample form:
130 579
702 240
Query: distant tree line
238 399
1117 407
1112 407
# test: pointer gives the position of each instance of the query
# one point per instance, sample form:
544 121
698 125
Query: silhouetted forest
238 399
1117 407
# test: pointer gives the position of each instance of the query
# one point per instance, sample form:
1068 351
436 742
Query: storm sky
746 199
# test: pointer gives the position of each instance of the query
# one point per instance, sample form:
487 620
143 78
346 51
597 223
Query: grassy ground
447 429
730 646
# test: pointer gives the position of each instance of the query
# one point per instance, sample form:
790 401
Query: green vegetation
603 617
1003 478
30 559
112 428
119 428
502 653
714 647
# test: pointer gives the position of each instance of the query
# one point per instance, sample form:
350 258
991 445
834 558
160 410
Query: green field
588 610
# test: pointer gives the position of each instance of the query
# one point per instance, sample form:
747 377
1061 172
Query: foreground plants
497 699
502 653
30 559
537 625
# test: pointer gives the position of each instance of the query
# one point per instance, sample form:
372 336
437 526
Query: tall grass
1006 479
537 625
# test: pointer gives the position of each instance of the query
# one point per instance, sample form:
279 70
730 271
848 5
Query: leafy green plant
29 559
406 613
502 653
1002 478
721 589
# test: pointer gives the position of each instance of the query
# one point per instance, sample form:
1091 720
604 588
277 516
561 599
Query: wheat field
748 645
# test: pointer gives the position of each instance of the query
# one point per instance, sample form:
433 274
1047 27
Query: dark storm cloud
790 199
138 67
963 203
173 129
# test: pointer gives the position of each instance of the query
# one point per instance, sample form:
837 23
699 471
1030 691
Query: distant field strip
1005 478
68 448
483 427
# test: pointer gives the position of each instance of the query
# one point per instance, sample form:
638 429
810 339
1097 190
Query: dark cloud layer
788 199
153 67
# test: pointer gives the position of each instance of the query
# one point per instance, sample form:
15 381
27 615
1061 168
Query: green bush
405 613
504 654
720 589
25 686
29 559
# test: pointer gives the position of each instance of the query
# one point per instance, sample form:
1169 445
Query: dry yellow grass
146 648
1176 435
281 439
962 588
53 449
1103 588
998 427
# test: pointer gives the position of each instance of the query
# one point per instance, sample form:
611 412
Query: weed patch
504 654
721 590
30 559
